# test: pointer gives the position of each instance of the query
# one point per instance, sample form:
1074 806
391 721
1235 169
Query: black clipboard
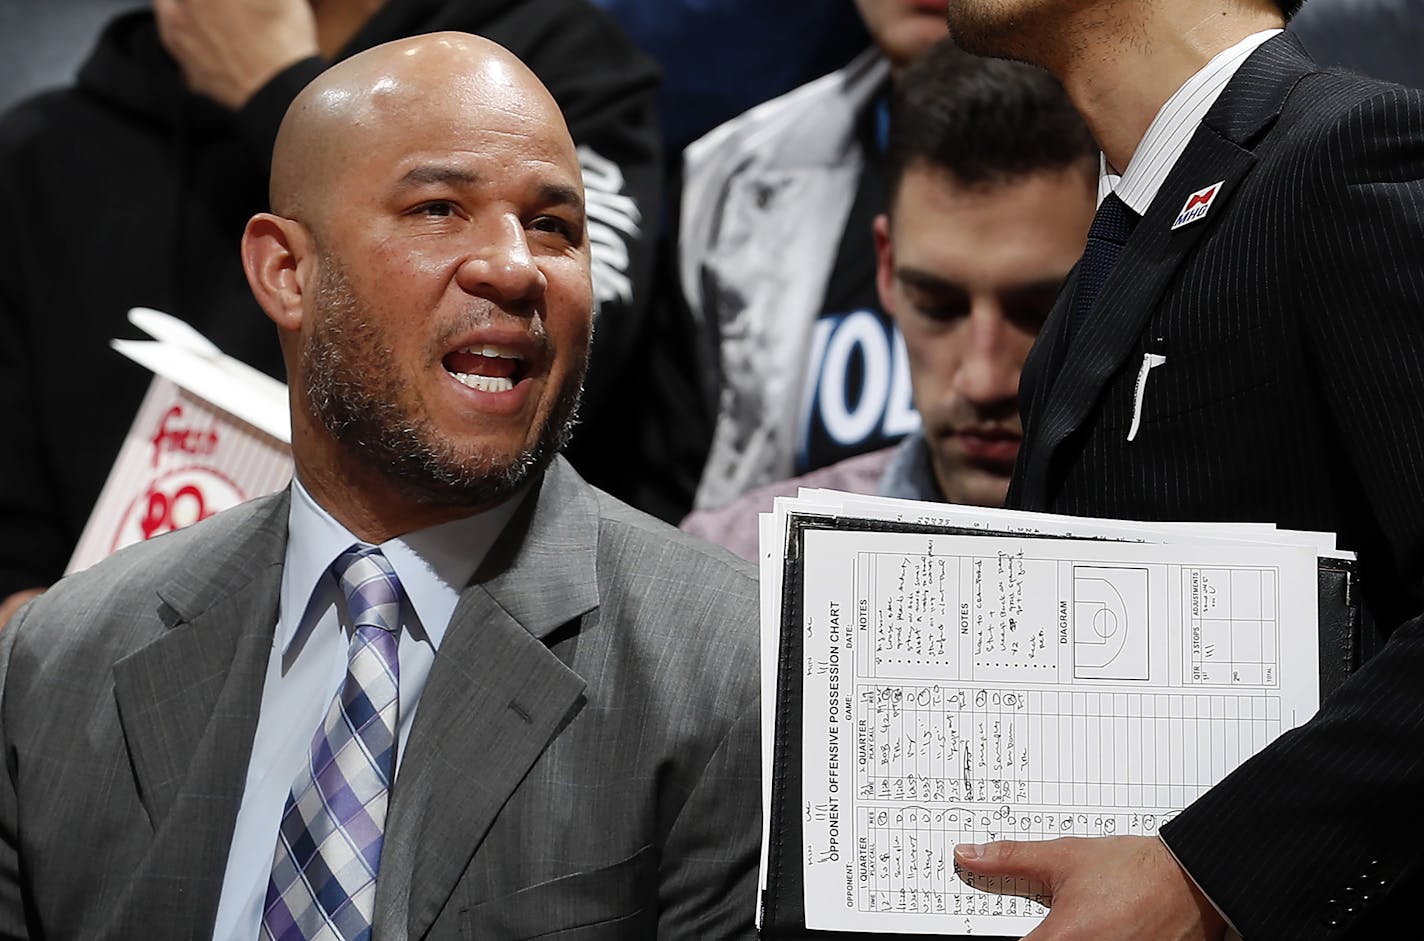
1346 640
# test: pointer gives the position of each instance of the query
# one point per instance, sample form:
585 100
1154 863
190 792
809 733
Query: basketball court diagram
1110 626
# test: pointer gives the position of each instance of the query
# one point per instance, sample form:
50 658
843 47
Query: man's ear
884 264
276 257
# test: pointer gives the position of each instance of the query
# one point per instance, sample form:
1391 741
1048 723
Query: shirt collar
1172 129
910 474
433 564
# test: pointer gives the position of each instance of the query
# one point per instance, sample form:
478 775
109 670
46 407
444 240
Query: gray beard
368 411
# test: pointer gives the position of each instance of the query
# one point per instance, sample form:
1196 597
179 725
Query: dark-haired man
991 175
1242 341
776 264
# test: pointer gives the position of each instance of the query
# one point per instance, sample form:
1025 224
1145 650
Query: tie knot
373 593
1114 220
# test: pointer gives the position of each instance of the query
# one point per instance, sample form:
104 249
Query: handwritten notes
972 688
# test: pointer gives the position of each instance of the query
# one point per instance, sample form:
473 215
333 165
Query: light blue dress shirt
307 666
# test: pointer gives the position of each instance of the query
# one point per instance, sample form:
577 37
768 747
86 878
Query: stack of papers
967 675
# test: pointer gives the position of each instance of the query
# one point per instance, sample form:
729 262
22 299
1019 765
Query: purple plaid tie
323 883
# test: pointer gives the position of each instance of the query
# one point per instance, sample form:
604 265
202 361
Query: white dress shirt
1170 132
307 666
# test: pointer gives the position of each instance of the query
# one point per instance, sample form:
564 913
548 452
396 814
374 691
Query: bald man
442 688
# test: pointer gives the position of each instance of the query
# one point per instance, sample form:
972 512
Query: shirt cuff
1231 933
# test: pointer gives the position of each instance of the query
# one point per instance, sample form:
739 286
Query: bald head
403 91
427 266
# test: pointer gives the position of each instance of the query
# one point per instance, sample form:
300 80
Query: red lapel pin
1197 205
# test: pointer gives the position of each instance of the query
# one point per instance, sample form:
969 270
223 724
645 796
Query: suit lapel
188 705
496 698
1039 371
1114 327
1069 382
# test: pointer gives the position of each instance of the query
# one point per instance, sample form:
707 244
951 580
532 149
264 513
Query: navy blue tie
1111 228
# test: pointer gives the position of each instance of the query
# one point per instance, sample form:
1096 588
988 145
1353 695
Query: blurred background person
1380 38
992 179
722 57
718 58
776 263
131 188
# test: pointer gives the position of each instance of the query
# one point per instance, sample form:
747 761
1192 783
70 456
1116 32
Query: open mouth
486 368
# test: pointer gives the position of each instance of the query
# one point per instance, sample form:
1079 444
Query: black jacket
1291 318
128 190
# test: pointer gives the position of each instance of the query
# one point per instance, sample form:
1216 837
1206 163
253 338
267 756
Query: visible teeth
494 352
484 383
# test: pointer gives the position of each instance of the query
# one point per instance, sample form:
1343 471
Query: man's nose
500 267
990 360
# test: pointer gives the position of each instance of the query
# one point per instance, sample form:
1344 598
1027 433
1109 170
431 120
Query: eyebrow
559 194
429 174
1034 288
926 281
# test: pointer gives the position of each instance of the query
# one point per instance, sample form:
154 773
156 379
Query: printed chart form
965 689
1233 627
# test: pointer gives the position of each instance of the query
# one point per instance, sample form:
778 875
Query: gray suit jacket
584 764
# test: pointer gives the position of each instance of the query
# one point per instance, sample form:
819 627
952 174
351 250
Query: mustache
486 315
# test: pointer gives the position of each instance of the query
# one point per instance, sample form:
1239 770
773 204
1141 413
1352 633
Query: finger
15 602
165 13
985 874
1040 860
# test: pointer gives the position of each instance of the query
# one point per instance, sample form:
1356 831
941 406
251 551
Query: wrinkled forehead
421 107
422 97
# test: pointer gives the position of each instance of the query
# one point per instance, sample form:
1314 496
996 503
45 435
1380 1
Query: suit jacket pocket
1190 381
617 901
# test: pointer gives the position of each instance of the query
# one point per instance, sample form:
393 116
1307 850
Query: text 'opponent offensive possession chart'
972 688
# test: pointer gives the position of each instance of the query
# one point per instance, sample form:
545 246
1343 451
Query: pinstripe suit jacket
1292 321
584 764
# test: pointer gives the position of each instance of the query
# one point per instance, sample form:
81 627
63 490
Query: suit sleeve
1319 835
708 877
12 907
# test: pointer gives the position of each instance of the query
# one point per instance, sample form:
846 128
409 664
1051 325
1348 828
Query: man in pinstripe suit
1255 351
